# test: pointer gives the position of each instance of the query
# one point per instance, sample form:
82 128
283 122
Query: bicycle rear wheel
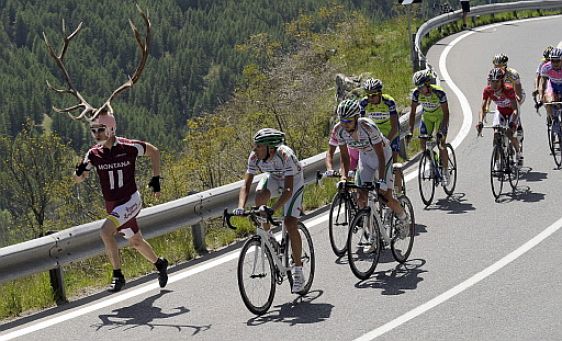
256 276
307 258
452 170
339 220
364 244
426 178
497 167
402 238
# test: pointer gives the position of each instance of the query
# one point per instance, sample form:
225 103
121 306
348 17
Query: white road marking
465 128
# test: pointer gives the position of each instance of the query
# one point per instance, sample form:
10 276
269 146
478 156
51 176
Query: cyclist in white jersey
544 60
284 175
375 155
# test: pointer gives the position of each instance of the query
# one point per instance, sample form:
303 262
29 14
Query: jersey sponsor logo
429 106
121 155
115 165
115 214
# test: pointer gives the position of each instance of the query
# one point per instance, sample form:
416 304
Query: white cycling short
123 216
293 207
369 167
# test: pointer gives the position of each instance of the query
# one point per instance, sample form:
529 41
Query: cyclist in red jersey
114 160
506 107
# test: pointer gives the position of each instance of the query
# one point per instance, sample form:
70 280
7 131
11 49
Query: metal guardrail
447 18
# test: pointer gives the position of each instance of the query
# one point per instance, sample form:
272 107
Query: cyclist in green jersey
381 109
435 116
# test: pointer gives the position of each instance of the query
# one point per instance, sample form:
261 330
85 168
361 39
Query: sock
117 273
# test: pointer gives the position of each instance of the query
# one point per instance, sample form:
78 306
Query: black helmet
500 59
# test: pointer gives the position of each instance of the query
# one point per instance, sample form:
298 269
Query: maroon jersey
502 100
116 167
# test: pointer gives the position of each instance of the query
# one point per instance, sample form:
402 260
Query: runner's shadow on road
396 281
455 204
145 314
301 311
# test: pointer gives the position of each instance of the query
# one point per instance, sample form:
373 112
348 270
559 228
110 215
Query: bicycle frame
430 145
277 252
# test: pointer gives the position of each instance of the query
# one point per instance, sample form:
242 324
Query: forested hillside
194 62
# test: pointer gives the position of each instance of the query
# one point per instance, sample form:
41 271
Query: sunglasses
344 121
97 130
373 94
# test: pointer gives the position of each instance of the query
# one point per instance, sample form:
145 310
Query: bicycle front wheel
364 244
307 258
402 237
426 178
451 169
555 145
512 168
338 223
497 167
256 276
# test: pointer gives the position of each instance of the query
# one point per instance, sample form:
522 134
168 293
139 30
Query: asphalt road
480 269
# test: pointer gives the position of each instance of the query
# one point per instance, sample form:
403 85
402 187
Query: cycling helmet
555 53
422 77
107 120
546 52
269 137
348 108
372 85
500 59
496 74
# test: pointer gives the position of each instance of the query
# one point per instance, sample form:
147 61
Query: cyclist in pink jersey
506 107
550 84
114 161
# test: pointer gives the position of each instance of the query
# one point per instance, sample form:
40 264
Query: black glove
408 137
80 168
155 184
266 211
479 127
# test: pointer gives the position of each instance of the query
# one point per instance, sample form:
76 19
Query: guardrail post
198 234
57 282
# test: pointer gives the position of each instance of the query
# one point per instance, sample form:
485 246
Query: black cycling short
465 5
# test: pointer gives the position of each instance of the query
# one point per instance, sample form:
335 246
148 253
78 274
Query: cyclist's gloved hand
381 184
238 211
479 127
265 211
81 168
329 173
408 137
154 184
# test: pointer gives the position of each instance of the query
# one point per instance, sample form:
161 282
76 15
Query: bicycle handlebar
254 211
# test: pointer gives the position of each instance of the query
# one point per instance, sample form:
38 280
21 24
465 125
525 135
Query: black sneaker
162 267
117 283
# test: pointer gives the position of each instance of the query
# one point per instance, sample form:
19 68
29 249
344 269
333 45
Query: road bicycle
503 165
430 171
265 262
343 209
375 228
554 131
